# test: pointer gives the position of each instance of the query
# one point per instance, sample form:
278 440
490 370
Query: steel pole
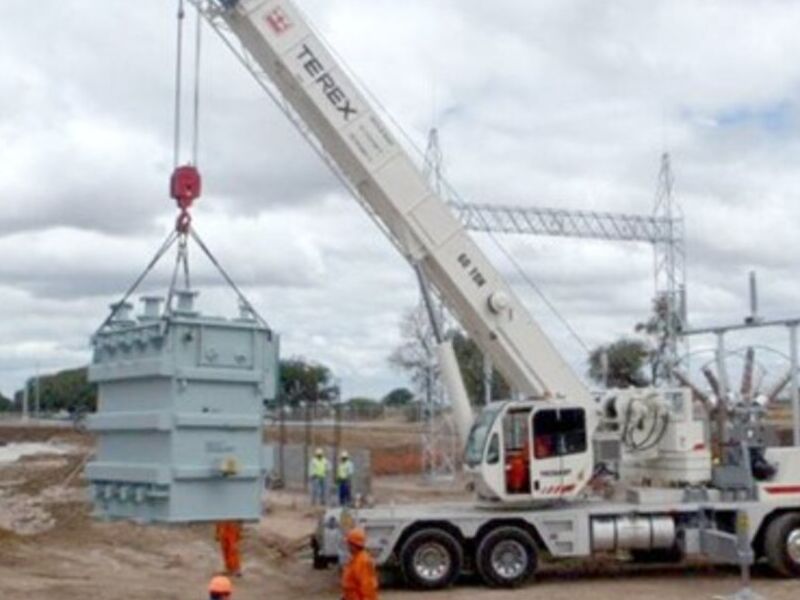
307 441
37 396
25 410
429 449
337 434
282 438
795 391
724 387
487 379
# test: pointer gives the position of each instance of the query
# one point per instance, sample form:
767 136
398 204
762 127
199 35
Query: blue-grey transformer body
180 415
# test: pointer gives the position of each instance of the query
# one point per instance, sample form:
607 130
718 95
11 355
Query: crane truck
671 496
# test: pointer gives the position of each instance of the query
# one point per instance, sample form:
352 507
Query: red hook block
185 185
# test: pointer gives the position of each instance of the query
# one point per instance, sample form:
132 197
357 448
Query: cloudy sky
565 103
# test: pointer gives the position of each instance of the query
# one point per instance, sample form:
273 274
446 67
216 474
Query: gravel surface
50 549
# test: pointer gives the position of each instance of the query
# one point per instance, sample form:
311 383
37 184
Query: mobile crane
670 499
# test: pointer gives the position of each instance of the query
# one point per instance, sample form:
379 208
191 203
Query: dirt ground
50 549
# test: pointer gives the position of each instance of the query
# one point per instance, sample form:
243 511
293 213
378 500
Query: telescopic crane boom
276 42
278 38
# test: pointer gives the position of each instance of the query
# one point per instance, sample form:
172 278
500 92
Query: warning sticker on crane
325 86
278 20
279 24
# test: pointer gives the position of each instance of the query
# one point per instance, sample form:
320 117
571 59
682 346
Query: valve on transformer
185 186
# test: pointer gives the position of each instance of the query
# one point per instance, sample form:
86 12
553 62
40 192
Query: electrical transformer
180 413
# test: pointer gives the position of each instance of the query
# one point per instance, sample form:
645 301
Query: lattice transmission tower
663 229
669 258
439 444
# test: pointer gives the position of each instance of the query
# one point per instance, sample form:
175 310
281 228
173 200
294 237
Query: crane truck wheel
782 545
506 557
431 559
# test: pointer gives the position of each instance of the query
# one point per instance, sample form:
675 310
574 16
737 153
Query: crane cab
518 452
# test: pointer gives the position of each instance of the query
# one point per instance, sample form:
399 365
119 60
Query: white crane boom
520 453
276 36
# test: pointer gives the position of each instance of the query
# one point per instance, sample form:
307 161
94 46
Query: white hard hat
345 454
318 452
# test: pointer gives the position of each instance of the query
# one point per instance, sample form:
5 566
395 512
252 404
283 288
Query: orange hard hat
220 585
357 537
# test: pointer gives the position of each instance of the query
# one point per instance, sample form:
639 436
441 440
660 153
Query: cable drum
645 422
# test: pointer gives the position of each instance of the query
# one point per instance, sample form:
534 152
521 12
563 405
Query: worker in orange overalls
519 470
359 578
220 588
229 534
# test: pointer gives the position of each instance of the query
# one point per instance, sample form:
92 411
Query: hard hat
220 585
345 454
318 452
357 537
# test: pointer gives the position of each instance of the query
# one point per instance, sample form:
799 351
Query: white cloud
556 103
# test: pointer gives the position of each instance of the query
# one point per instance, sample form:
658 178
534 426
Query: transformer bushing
180 414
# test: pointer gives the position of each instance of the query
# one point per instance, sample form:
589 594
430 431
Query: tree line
300 381
623 363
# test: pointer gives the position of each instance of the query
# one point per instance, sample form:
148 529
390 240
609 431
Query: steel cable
245 302
166 245
178 81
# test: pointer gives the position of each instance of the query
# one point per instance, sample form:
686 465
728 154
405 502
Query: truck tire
782 545
319 562
431 559
506 557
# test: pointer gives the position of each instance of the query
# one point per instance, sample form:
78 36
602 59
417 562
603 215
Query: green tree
398 397
470 360
659 327
362 402
6 405
364 408
627 361
68 390
305 381
416 354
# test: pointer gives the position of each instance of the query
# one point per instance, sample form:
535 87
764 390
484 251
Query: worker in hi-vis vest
344 479
318 473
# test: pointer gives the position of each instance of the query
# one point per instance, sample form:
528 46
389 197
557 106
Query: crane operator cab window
559 450
517 451
478 436
559 432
